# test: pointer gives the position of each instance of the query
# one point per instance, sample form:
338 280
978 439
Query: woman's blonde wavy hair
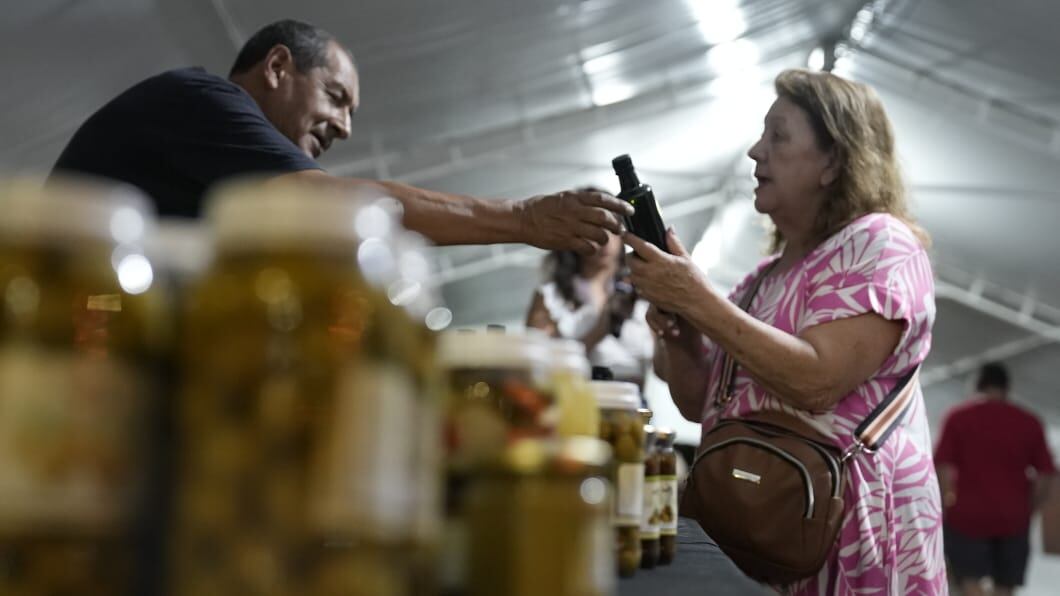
850 118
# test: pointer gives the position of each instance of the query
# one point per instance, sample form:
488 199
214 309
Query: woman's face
792 171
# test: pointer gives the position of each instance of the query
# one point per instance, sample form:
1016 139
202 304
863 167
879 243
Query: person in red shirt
994 466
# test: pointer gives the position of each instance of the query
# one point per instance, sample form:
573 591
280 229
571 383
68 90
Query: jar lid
66 208
645 414
664 436
257 213
491 349
569 456
616 395
569 354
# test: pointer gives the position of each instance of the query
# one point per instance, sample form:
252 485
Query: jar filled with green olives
667 502
578 414
499 392
622 428
539 521
649 524
82 333
301 409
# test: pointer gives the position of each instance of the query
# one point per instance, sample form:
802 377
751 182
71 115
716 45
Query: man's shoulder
178 81
1000 412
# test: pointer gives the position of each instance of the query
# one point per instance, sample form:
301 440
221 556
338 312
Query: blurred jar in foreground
301 411
578 414
499 393
667 501
81 334
622 428
649 525
539 521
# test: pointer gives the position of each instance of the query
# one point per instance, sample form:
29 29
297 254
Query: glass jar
578 414
499 392
667 502
649 525
621 427
539 521
82 335
301 405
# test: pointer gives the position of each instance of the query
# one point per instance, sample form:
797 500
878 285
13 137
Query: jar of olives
622 428
667 502
82 334
499 392
539 521
301 408
649 525
578 414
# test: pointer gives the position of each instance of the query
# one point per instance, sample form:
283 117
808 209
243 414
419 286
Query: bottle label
649 524
629 494
364 474
70 448
668 505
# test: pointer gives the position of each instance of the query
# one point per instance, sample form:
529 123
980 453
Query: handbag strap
873 430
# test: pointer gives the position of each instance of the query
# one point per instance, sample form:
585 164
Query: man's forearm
457 219
442 217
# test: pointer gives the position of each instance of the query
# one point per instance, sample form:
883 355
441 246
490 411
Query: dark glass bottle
645 221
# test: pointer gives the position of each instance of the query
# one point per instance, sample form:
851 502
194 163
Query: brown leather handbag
768 488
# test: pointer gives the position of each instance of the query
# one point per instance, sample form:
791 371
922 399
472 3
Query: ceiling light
611 92
733 57
861 24
601 63
718 20
816 59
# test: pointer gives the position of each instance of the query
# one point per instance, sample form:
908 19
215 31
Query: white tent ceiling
507 98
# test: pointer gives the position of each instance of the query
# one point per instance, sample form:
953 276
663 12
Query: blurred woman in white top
589 299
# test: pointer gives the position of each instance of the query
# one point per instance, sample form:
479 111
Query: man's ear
831 169
278 63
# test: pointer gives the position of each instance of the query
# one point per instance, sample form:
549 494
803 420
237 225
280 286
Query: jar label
629 494
668 505
649 523
70 453
364 471
603 569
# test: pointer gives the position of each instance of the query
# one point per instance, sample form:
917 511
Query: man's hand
571 220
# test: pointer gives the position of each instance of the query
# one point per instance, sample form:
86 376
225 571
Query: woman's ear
831 169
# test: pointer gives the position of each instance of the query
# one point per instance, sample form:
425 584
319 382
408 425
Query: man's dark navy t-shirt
176 134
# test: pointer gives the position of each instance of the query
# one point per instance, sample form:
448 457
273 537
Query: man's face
315 107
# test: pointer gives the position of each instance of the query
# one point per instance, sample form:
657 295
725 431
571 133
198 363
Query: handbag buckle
854 449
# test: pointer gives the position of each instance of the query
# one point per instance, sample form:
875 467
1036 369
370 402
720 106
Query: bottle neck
627 179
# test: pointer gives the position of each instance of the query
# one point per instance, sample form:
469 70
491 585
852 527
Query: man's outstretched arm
573 220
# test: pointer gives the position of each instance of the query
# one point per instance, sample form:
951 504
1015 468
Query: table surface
699 568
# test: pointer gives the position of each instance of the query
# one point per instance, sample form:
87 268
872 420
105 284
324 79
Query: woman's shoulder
739 289
880 227
871 237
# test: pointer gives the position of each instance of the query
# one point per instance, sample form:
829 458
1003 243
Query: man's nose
340 124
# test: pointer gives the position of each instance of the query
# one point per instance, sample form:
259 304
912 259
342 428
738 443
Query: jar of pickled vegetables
649 525
499 392
539 521
301 413
578 414
667 502
82 334
622 428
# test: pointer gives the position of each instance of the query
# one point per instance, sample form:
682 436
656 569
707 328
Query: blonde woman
844 311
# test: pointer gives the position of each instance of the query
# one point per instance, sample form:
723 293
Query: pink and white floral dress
891 538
